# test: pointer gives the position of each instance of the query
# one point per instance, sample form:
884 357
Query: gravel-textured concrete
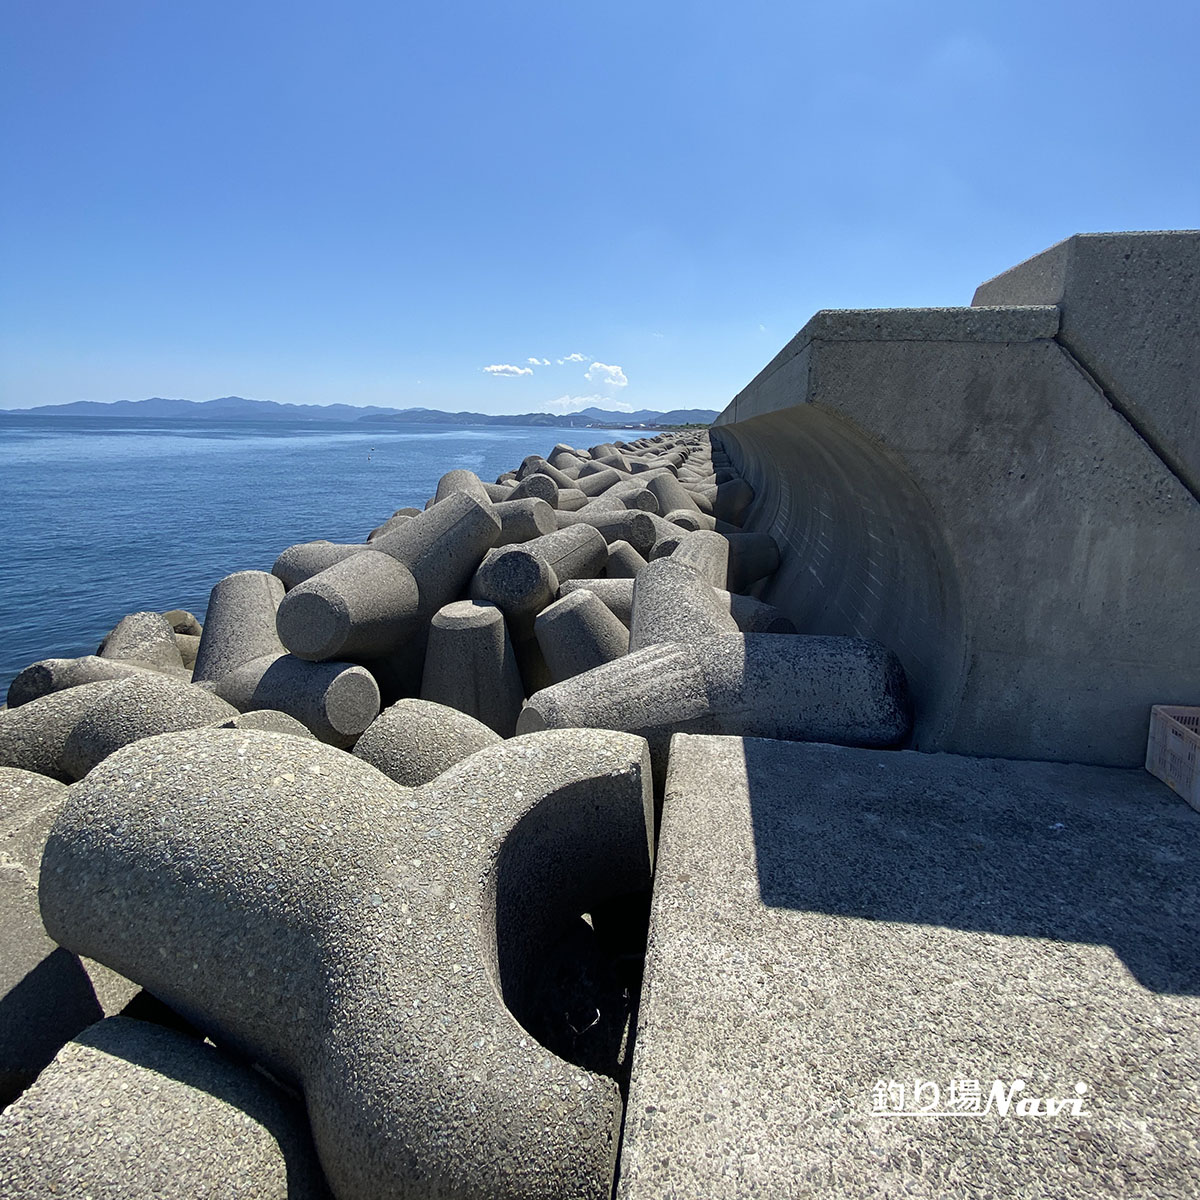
596 479
752 616
146 638
673 602
363 607
47 995
239 625
303 561
414 741
535 464
819 689
356 937
578 633
637 528
521 580
133 1111
470 665
135 708
521 520
269 719
57 674
34 736
443 546
189 648
826 920
336 701
182 621
537 487
708 552
624 562
461 482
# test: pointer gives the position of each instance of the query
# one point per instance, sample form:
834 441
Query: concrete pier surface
833 927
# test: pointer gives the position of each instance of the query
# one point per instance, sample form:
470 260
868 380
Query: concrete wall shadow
1021 849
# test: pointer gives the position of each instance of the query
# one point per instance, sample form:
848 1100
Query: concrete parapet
1128 304
949 482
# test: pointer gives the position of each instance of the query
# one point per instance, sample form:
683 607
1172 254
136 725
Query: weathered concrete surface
825 919
375 946
47 995
949 482
1129 305
135 1111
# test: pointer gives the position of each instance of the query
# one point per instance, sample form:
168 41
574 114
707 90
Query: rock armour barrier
437 938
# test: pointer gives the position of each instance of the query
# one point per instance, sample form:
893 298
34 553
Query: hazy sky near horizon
534 206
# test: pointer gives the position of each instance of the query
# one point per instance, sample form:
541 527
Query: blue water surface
105 517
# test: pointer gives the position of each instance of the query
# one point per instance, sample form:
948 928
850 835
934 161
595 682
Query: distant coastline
237 408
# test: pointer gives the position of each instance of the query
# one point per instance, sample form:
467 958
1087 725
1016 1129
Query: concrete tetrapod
336 701
135 708
537 487
624 562
578 633
413 741
146 638
133 1110
356 937
33 736
303 561
521 520
443 546
673 602
470 665
521 580
785 686
57 674
466 482
46 995
363 607
708 552
240 624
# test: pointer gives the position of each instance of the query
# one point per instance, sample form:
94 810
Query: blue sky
373 203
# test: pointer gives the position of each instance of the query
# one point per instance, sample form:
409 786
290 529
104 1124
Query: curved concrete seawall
1009 507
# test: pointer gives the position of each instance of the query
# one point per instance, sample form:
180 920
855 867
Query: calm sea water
102 518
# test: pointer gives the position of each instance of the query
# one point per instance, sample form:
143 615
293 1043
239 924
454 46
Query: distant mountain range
236 408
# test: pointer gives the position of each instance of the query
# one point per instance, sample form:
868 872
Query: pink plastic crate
1173 751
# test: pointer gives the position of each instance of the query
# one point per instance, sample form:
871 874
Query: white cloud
507 369
538 362
611 376
570 404
573 358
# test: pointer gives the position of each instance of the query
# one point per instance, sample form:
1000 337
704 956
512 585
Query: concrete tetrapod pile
384 826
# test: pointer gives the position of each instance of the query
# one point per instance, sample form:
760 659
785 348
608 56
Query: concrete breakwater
715 814
385 825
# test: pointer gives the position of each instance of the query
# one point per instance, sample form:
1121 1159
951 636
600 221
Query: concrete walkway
832 927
